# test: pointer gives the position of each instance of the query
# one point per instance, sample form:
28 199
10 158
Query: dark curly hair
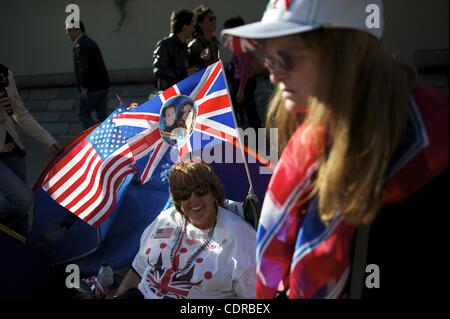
179 18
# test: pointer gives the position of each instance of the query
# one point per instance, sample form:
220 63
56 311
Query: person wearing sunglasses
196 249
204 48
360 135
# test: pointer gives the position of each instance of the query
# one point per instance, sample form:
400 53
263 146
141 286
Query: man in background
171 58
92 77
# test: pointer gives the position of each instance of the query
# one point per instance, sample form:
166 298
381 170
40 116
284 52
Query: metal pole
251 191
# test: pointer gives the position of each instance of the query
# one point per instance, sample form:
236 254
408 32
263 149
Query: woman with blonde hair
358 133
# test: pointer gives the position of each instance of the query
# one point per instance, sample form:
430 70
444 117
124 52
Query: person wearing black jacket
92 77
171 58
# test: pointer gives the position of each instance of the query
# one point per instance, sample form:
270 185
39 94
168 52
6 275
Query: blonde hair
278 117
362 100
189 175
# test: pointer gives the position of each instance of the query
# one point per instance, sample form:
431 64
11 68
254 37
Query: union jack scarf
296 252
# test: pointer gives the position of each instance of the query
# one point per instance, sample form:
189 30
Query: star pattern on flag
107 138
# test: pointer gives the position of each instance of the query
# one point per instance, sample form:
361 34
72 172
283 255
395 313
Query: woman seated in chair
197 249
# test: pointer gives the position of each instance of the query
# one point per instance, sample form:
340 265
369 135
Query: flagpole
251 190
119 99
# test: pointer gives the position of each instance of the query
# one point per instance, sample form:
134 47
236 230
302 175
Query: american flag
140 126
163 233
213 123
85 180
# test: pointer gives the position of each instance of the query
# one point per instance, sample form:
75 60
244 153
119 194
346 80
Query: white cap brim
267 30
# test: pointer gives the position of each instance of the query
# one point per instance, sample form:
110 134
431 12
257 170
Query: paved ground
55 109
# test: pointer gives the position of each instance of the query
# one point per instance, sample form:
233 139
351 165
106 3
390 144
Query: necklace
174 252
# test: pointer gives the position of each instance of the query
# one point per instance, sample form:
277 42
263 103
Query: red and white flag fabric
85 179
188 116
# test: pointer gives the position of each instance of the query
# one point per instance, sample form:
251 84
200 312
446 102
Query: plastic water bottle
106 276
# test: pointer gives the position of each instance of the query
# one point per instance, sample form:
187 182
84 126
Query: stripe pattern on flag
85 180
215 121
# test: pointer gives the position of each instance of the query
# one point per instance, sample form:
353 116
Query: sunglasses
280 62
183 194
212 18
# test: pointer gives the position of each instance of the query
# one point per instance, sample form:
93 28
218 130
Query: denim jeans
96 100
18 197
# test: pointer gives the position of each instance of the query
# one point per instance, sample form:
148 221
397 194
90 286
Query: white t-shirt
225 269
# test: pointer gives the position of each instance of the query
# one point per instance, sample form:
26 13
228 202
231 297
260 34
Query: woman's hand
5 101
132 105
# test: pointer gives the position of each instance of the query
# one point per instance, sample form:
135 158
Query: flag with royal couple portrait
187 117
194 115
190 115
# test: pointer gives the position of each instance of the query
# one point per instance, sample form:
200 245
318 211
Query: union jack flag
85 180
167 283
140 126
212 121
163 233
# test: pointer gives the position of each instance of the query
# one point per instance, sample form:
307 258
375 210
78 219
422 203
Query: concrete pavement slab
47 116
62 105
43 94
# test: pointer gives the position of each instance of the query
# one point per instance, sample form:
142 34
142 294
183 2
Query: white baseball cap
287 17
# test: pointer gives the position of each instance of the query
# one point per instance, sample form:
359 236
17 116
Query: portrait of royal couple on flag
177 119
